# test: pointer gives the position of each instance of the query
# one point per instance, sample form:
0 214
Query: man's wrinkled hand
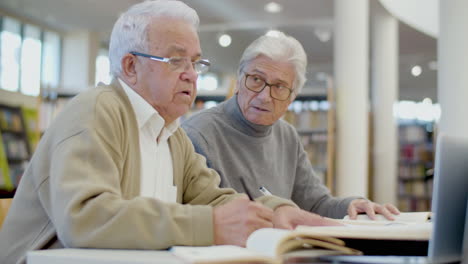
370 208
288 217
236 220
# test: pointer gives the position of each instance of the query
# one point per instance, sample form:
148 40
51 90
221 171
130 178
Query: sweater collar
238 121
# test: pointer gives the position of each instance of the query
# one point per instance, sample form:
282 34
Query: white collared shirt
157 176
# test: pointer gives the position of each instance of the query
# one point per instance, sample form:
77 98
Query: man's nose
265 94
190 74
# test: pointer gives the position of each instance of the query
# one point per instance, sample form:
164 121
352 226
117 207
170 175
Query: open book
401 219
267 245
389 239
270 245
414 232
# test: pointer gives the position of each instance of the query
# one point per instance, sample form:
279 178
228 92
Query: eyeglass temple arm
156 58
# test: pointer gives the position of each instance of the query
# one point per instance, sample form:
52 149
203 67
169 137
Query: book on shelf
18 134
5 182
266 245
31 122
10 119
416 161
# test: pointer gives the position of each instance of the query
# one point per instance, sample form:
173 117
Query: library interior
385 79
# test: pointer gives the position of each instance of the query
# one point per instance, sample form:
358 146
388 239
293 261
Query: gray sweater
248 155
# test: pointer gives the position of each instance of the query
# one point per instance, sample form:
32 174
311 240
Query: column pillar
351 62
452 91
384 83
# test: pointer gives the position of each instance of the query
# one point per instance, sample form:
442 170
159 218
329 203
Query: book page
402 218
265 240
277 242
421 232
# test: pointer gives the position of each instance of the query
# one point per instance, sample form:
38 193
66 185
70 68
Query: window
207 81
10 50
102 67
424 111
29 57
31 61
50 60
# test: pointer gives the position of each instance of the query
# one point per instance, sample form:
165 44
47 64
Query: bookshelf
314 118
416 164
51 103
18 136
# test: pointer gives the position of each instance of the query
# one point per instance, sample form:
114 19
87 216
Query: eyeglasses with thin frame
179 64
256 84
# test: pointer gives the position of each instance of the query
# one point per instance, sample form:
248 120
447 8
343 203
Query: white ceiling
244 20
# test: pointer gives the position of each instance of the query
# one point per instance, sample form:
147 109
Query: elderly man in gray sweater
247 143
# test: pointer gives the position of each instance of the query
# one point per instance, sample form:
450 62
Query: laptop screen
449 200
449 207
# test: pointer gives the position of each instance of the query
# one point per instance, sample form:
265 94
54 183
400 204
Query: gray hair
130 32
279 47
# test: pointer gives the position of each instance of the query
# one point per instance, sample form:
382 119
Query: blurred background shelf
19 136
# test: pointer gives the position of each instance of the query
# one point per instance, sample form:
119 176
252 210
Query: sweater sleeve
199 142
312 195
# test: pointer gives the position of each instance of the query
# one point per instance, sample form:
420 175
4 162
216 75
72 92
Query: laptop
449 239
465 239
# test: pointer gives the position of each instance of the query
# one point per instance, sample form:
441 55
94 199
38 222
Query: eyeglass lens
183 64
257 84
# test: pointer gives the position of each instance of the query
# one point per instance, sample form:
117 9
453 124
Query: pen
264 190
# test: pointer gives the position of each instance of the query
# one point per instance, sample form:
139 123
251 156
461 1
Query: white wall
422 15
80 49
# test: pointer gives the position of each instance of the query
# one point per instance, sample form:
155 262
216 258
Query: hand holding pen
288 217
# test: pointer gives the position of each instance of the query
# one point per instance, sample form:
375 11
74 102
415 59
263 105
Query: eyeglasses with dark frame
256 84
179 64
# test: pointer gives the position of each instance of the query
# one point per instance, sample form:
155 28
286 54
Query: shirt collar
145 112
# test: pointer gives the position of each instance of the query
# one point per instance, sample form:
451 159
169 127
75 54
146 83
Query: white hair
130 32
279 47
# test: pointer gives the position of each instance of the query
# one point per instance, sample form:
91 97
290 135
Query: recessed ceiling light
427 100
224 40
323 34
416 70
273 7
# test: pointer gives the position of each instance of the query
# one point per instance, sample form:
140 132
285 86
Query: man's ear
293 96
236 90
129 72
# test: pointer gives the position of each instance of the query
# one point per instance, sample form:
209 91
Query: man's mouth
187 92
260 109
